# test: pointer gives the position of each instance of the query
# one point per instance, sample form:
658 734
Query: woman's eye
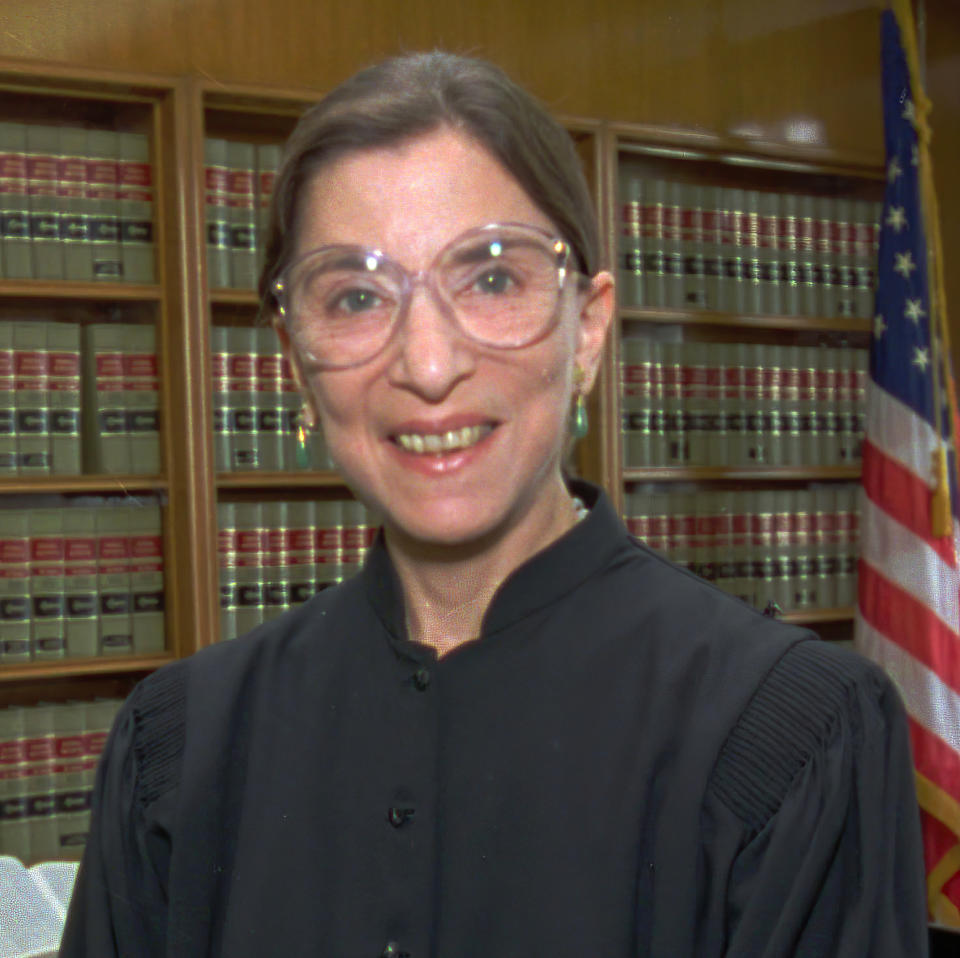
494 281
357 301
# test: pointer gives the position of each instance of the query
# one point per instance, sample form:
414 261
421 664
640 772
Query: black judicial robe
628 762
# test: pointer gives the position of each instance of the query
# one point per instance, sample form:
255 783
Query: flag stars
896 219
879 326
894 170
914 310
921 358
914 155
904 264
909 112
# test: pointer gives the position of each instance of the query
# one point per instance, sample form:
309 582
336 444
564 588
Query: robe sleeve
814 828
118 907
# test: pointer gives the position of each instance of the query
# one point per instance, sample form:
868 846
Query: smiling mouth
450 441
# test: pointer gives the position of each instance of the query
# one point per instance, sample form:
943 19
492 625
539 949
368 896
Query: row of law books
238 179
75 204
700 246
48 762
256 404
78 398
81 580
797 548
274 555
741 404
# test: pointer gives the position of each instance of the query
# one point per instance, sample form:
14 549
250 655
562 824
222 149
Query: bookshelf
186 307
745 288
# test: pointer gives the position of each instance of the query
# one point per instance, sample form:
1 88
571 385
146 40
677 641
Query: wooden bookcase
179 113
708 162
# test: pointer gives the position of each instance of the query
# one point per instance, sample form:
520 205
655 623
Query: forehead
410 200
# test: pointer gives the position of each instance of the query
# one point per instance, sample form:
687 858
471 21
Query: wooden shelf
685 317
72 668
14 485
278 480
63 289
740 474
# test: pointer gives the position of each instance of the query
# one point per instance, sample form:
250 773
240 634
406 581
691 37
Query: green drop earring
579 421
303 442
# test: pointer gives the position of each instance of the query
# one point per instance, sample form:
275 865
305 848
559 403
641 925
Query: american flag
909 580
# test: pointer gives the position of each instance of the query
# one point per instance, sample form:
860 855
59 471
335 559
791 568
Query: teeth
446 442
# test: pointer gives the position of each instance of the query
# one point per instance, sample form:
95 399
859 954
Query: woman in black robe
517 732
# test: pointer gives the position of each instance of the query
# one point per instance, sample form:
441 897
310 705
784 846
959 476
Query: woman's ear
310 415
596 315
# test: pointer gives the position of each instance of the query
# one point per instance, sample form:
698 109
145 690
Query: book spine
216 179
637 385
825 546
843 242
63 347
72 170
738 250
753 276
789 408
243 398
630 266
275 563
269 407
72 788
845 507
771 300
673 251
242 214
300 553
787 248
227 555
655 241
14 832
141 392
268 159
220 380
763 558
80 582
713 249
41 789
249 539
15 253
771 403
113 581
106 445
290 401
754 434
8 403
328 542
14 588
43 147
692 238
827 276
31 379
145 526
807 255
783 549
862 257
103 173
47 633
135 208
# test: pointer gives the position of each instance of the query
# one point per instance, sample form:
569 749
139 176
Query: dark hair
411 95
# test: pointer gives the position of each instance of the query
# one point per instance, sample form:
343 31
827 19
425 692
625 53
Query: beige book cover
31 380
8 403
81 599
14 831
72 170
145 526
227 558
63 386
74 762
275 560
328 542
103 151
268 159
141 392
106 444
43 150
47 634
16 258
113 580
14 586
243 398
300 556
216 188
219 361
39 767
135 209
270 400
242 214
250 579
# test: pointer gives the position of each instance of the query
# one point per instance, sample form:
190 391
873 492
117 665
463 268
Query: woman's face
508 407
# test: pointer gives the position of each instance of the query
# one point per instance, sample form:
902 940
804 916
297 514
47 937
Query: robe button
399 816
421 678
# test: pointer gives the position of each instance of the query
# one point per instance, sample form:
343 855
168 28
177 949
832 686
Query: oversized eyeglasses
501 284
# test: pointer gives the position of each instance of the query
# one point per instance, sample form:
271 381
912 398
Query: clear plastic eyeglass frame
500 284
